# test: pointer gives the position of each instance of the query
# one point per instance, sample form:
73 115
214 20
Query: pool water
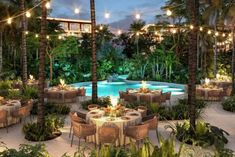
112 88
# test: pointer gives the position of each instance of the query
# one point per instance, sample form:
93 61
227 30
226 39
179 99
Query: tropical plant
103 102
34 132
229 104
52 109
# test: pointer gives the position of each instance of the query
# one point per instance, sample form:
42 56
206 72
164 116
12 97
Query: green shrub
103 102
14 94
51 108
34 132
38 150
4 87
30 92
229 104
204 134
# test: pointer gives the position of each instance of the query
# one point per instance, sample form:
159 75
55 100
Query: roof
68 20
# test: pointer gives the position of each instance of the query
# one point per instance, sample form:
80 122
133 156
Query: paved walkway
213 114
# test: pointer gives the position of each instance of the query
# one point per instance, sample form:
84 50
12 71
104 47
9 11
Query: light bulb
36 35
9 21
201 29
223 34
209 32
48 5
106 15
174 31
216 34
191 27
59 37
119 32
168 12
26 32
76 11
28 14
48 37
137 16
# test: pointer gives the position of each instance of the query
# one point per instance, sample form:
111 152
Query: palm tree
193 9
94 57
42 59
23 44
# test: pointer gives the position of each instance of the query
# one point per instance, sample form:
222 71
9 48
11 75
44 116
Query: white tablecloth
134 120
10 106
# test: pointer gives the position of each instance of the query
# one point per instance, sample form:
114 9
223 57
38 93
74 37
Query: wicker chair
163 98
122 95
74 117
108 133
146 98
82 130
156 98
142 110
168 97
127 90
138 133
93 107
21 113
3 119
131 98
152 120
81 92
215 95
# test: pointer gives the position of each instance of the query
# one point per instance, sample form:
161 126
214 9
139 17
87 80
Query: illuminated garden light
28 14
48 5
137 16
9 21
168 12
76 11
107 15
48 37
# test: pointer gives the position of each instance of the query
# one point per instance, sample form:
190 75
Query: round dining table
10 106
151 93
97 117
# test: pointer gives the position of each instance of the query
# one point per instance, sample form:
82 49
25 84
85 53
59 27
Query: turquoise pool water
112 88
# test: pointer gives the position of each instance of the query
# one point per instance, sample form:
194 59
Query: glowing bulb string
10 18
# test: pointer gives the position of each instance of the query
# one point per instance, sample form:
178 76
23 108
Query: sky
122 12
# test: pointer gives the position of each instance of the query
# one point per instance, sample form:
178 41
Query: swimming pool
112 88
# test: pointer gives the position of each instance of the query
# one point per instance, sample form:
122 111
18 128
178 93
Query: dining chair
108 133
82 131
163 98
168 97
74 117
131 98
93 107
156 99
137 132
3 119
152 120
146 98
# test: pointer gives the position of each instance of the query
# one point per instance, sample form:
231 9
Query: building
73 27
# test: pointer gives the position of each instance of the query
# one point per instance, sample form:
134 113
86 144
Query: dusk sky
121 11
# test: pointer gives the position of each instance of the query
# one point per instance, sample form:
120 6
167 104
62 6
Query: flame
31 77
62 82
207 81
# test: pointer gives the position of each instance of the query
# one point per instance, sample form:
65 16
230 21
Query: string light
209 32
216 34
168 12
230 35
119 32
48 5
106 15
59 37
76 11
48 37
36 35
28 14
26 32
9 20
191 27
156 33
137 16
101 27
137 33
223 35
174 31
201 29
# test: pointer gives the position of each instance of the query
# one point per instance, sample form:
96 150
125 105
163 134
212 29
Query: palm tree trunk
43 42
233 65
94 57
23 44
0 52
193 7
